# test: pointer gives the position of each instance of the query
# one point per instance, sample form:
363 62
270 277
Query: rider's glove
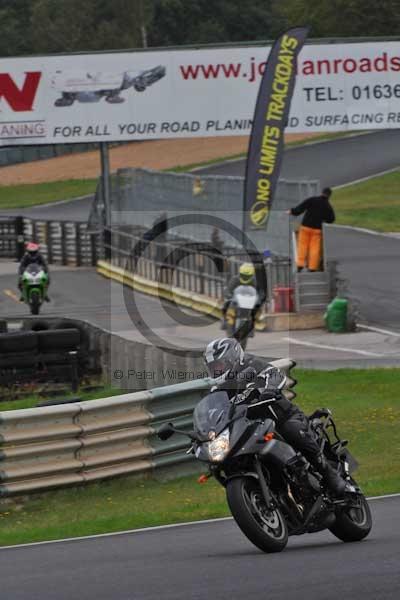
239 398
248 394
270 394
271 378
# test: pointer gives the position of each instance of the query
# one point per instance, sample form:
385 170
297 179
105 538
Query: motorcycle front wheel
35 303
266 529
353 523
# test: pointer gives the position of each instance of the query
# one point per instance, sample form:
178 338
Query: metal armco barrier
183 297
71 444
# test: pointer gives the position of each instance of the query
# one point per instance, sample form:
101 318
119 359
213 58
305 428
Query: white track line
50 204
393 235
362 179
338 348
378 330
385 496
60 202
146 529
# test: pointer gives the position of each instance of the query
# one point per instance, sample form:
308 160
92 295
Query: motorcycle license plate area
245 297
351 461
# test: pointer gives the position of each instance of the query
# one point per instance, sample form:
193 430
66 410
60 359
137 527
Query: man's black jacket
317 210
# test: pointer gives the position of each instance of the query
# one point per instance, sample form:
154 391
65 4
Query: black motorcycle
272 490
240 316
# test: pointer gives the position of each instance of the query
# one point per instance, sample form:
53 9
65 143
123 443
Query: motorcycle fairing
277 452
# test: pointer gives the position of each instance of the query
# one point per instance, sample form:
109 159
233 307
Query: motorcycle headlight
219 448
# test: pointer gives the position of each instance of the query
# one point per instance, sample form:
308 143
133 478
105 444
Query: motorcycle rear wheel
265 529
353 524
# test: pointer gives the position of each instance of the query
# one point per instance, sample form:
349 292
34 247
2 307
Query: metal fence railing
192 266
138 196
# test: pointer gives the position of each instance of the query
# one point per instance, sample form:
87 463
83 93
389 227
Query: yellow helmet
246 273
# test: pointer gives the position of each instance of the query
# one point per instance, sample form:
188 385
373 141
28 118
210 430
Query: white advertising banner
187 93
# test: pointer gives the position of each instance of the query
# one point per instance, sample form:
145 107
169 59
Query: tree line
51 26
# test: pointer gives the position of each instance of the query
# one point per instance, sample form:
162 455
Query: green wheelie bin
336 315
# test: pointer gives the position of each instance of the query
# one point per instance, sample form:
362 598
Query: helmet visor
246 278
217 368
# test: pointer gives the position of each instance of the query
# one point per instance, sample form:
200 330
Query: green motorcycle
34 287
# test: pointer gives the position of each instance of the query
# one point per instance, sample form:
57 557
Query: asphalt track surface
334 162
371 265
209 560
83 294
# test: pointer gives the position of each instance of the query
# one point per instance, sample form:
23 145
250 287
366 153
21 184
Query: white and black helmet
223 356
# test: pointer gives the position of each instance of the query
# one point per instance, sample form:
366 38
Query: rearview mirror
165 431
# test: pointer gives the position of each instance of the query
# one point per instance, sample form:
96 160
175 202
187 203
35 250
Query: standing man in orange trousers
318 210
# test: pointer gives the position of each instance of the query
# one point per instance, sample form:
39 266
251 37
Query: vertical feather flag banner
264 157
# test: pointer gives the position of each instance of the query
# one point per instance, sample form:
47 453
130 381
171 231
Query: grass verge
366 407
373 204
27 195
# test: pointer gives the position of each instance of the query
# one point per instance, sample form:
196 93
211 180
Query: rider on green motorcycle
32 255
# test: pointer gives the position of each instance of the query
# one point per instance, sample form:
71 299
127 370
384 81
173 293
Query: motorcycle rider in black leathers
262 383
32 255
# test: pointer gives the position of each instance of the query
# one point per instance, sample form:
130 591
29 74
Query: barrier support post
105 179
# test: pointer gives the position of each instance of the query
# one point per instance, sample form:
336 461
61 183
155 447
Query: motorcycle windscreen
245 296
211 414
33 269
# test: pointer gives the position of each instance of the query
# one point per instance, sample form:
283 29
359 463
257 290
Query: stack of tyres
58 340
336 315
40 355
18 356
58 352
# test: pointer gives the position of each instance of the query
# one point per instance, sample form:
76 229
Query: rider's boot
332 479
